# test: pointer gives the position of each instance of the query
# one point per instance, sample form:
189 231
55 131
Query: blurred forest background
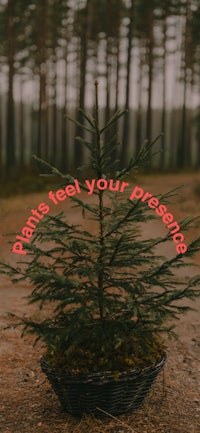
145 55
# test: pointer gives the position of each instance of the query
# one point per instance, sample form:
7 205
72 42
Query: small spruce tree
107 295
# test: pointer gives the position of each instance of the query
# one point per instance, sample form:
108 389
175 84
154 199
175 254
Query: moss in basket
107 293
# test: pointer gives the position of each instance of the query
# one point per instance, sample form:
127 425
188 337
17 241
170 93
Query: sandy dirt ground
28 405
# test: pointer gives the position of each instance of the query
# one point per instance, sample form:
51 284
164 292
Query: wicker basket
80 394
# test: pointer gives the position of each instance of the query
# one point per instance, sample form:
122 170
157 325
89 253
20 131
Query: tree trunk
125 136
1 144
163 121
10 126
78 150
139 108
64 156
42 139
108 81
22 121
184 152
150 45
54 28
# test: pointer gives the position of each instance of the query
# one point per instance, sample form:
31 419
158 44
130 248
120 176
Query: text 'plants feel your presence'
60 195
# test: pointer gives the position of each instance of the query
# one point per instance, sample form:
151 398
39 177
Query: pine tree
108 296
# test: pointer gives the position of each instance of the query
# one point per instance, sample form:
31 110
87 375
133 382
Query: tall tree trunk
126 125
174 131
54 154
108 80
22 121
1 144
184 153
117 72
64 141
78 150
163 120
181 151
10 126
54 29
64 156
42 142
150 46
42 139
108 110
139 108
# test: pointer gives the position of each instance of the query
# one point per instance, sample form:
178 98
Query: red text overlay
19 247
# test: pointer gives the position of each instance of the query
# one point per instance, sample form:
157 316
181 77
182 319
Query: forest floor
28 405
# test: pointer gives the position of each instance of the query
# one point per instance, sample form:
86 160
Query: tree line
145 55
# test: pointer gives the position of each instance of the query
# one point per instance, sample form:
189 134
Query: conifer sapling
106 292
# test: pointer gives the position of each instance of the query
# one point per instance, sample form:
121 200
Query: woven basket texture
81 394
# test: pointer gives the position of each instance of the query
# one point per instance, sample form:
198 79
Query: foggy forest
145 56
